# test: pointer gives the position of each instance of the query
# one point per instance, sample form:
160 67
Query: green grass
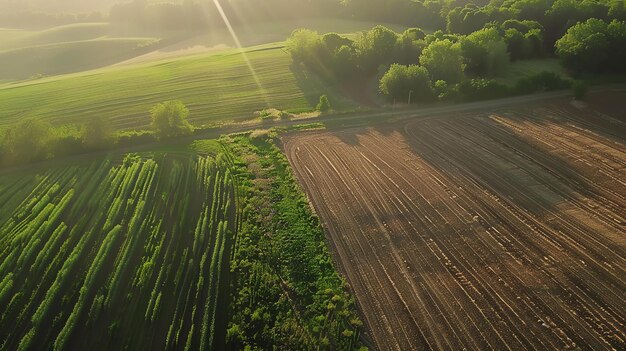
521 69
216 88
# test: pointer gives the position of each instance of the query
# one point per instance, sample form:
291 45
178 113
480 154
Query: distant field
500 230
15 38
216 88
84 46
61 58
117 254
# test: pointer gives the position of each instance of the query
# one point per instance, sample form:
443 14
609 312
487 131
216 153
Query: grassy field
216 88
128 252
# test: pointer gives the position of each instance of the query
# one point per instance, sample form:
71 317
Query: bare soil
497 230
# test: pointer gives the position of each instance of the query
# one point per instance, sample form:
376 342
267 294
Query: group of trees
34 140
440 56
481 38
594 46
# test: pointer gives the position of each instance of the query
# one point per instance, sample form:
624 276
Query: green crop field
166 250
117 254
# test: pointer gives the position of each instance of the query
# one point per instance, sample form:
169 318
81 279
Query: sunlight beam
241 51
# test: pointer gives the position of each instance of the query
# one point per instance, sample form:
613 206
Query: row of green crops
127 254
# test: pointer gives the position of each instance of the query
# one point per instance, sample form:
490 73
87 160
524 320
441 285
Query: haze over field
312 175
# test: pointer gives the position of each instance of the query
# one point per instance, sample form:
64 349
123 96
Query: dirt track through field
503 230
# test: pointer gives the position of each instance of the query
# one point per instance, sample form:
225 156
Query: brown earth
500 230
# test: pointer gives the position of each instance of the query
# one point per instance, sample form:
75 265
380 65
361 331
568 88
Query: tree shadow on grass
342 96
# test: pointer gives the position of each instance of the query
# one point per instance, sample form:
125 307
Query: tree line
460 62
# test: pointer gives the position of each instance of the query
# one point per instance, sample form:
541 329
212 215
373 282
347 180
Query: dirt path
487 230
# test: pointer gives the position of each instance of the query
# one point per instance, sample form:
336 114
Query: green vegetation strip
286 289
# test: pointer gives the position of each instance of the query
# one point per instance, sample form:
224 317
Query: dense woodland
459 61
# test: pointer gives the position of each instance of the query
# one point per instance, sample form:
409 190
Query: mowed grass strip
216 88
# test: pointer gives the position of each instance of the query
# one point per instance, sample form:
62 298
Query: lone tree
324 105
406 83
169 119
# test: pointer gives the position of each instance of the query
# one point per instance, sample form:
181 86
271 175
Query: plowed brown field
500 230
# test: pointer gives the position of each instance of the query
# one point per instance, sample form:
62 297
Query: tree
442 58
404 83
375 47
594 46
27 140
409 46
302 44
617 10
169 119
324 105
97 133
485 52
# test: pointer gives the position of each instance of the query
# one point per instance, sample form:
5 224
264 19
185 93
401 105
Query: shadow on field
513 167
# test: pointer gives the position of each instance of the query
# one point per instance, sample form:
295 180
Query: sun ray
242 51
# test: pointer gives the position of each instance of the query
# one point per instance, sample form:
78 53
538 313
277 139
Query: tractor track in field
499 229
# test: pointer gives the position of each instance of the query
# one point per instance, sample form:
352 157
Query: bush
135 138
